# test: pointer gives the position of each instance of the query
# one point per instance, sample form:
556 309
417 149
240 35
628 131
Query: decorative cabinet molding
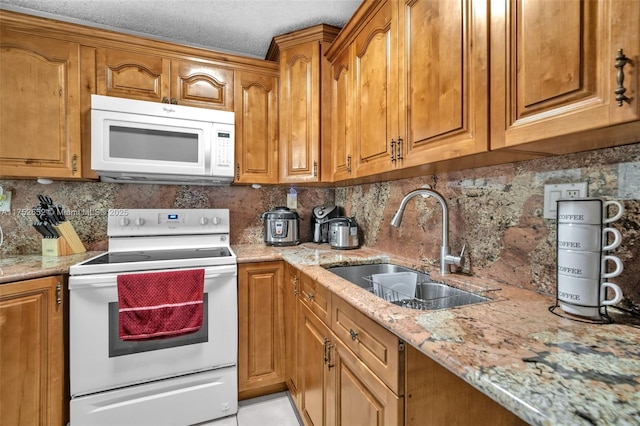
39 106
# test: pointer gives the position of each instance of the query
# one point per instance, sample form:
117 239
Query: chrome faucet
445 257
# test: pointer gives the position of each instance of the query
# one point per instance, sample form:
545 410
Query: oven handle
110 280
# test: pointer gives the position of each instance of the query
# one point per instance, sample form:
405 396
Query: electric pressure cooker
281 227
343 233
319 222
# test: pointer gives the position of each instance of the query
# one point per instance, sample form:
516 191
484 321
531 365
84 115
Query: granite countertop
547 369
29 266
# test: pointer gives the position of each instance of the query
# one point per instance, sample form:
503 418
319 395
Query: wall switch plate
554 192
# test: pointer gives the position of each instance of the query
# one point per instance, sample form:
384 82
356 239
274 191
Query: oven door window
119 347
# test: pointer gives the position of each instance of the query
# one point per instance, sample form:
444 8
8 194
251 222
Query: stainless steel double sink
428 293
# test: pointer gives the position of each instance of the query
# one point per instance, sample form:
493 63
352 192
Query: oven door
100 361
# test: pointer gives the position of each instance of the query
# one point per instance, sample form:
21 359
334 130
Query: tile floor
270 410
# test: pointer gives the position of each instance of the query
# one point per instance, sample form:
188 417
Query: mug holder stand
603 316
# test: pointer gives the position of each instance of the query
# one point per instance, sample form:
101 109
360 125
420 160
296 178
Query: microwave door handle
207 142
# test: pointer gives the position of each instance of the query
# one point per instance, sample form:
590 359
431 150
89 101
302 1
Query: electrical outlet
5 201
554 192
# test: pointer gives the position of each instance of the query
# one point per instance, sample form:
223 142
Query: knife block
65 229
53 247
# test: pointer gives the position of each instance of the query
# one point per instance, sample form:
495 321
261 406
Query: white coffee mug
584 291
587 264
574 236
573 292
587 211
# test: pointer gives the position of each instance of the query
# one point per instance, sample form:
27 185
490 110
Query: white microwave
147 142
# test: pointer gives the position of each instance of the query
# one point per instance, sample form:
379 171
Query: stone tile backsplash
496 211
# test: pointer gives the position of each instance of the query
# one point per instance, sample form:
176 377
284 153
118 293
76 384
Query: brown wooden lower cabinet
260 329
335 386
32 367
342 368
435 396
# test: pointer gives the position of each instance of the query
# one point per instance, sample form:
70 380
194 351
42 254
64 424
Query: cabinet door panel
202 85
300 78
313 370
557 58
132 75
31 359
260 326
256 108
361 397
341 116
444 79
376 93
291 291
39 106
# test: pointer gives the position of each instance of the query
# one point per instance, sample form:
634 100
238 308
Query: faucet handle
455 260
461 256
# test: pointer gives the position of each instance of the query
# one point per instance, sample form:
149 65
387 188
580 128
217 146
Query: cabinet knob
354 334
621 61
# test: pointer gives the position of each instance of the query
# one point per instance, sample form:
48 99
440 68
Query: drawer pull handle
393 150
354 334
327 353
621 61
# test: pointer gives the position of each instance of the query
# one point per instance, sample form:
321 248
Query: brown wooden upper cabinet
557 68
410 85
155 78
304 144
256 127
39 106
444 80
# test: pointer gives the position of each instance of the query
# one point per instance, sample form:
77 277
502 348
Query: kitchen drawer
316 297
378 348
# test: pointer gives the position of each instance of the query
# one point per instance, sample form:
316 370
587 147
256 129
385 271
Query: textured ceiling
239 26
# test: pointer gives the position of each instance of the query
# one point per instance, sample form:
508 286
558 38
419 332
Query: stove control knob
123 221
203 220
216 220
139 221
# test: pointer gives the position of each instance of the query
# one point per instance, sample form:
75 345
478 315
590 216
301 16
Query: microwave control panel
224 148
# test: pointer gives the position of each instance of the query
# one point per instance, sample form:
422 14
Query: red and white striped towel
160 304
